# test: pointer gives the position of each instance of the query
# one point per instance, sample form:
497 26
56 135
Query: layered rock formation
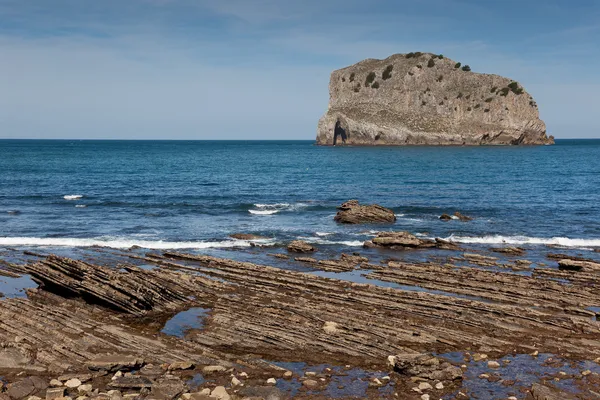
427 99
352 212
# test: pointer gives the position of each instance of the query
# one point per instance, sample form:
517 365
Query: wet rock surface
352 212
299 246
79 343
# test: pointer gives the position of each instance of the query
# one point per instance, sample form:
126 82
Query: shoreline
323 309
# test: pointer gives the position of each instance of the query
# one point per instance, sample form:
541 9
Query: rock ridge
427 99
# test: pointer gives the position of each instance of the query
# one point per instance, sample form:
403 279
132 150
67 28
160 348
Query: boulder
115 362
541 392
220 393
352 212
445 217
575 265
167 388
299 246
406 241
424 366
26 387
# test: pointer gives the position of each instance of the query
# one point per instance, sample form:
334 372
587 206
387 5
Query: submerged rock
426 99
352 212
246 236
299 246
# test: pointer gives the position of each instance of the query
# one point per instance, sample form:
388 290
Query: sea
194 194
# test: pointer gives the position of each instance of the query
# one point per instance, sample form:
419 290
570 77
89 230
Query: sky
259 69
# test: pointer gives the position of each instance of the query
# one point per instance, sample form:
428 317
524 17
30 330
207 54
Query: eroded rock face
422 99
352 212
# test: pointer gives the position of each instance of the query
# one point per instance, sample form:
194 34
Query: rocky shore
302 329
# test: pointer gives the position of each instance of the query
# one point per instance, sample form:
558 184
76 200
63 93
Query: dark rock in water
457 215
406 240
541 392
424 366
560 256
309 260
246 236
513 251
352 212
299 246
281 256
462 217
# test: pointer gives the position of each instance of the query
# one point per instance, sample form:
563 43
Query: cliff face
426 99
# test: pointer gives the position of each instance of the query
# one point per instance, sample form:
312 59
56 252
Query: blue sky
243 69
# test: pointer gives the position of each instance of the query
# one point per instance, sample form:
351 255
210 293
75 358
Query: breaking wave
117 243
72 197
516 240
269 209
263 212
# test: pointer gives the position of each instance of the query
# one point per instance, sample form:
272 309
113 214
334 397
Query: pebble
235 381
33 397
425 397
181 365
220 393
535 353
55 383
213 368
186 396
493 364
73 383
81 398
439 386
310 383
85 389
512 398
425 386
205 392
562 373
310 373
586 372
288 374
385 378
272 381
377 382
484 376
117 376
244 375
479 356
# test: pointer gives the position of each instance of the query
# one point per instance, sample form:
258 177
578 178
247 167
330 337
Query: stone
168 387
271 381
310 384
219 393
310 373
331 327
288 374
439 386
26 387
425 386
541 392
412 107
205 391
424 366
425 397
484 376
445 217
115 362
131 382
479 356
576 265
181 366
586 372
114 394
85 389
81 377
300 246
235 381
493 364
213 368
73 383
352 212
55 383
33 397
55 393
244 374
262 392
246 236
399 241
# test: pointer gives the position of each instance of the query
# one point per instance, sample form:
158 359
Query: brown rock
26 387
574 265
167 388
310 384
541 392
424 366
462 217
246 236
513 251
131 382
445 217
115 362
406 240
299 246
55 393
351 212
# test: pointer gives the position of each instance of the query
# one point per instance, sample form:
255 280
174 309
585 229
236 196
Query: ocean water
194 194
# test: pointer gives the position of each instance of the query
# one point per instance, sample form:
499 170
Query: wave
117 243
80 206
263 212
318 240
72 197
498 239
322 234
270 209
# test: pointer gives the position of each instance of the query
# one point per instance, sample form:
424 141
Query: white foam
276 205
80 206
318 240
515 240
117 243
399 215
72 197
454 217
322 234
263 212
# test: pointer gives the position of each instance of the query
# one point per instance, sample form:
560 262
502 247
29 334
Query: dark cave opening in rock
339 132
